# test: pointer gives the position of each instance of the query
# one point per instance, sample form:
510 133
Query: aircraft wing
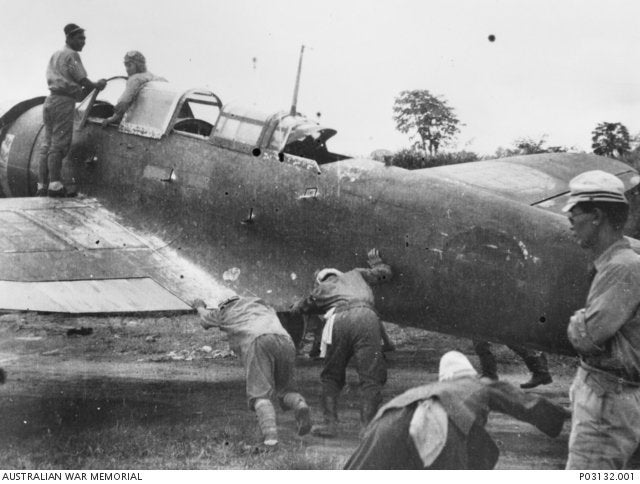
541 179
73 256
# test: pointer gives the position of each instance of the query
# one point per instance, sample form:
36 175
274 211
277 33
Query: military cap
595 186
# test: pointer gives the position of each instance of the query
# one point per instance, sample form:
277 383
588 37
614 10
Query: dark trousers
535 360
356 333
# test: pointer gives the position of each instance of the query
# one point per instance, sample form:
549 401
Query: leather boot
303 418
368 410
537 364
488 363
330 427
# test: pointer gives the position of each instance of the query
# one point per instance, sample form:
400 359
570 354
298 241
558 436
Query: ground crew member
536 362
68 83
136 67
441 425
605 393
353 328
267 353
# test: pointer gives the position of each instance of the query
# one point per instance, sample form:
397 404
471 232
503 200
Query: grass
135 446
116 407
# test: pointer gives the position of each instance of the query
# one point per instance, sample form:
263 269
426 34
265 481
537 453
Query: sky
556 68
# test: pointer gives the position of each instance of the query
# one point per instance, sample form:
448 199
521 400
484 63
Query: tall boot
537 364
488 364
368 410
267 421
330 427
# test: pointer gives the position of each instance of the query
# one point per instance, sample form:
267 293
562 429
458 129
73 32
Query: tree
426 117
529 146
609 139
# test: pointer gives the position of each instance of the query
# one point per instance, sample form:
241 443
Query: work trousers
534 359
356 333
605 432
269 369
57 114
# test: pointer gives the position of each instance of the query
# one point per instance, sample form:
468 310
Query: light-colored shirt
133 87
243 321
345 288
606 332
65 71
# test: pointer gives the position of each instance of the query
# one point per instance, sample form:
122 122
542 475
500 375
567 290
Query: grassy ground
161 393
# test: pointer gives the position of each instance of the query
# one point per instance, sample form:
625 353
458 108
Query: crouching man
353 329
267 352
442 425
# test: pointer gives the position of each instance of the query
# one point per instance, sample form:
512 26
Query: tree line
432 124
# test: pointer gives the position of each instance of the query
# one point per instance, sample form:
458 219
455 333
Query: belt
619 375
354 305
61 93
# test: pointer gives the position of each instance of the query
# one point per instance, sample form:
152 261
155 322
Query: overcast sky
556 68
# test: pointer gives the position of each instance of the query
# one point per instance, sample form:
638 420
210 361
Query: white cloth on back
428 430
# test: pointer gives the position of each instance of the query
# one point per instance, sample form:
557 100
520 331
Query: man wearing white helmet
353 329
441 425
267 353
605 393
136 66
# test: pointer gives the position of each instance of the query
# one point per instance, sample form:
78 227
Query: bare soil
161 393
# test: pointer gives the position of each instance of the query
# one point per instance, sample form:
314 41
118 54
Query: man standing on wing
68 83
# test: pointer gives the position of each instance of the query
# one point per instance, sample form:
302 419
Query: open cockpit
161 109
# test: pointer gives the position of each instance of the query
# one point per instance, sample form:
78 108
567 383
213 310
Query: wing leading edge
72 256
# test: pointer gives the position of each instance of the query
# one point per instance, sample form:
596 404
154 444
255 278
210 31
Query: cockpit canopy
161 109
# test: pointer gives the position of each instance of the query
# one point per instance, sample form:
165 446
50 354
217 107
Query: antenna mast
294 103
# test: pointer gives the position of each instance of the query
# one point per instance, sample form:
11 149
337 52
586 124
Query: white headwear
595 186
324 273
454 365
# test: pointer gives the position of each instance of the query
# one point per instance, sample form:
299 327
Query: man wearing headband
441 425
136 67
268 355
605 393
68 83
353 329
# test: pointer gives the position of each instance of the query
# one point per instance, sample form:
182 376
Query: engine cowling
20 130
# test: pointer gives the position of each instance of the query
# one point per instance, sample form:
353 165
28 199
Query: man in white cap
136 66
441 425
606 333
268 355
68 83
353 329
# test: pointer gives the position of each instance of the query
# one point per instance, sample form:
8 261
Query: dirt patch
161 393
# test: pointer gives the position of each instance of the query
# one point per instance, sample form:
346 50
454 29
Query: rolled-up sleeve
209 316
74 68
379 273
